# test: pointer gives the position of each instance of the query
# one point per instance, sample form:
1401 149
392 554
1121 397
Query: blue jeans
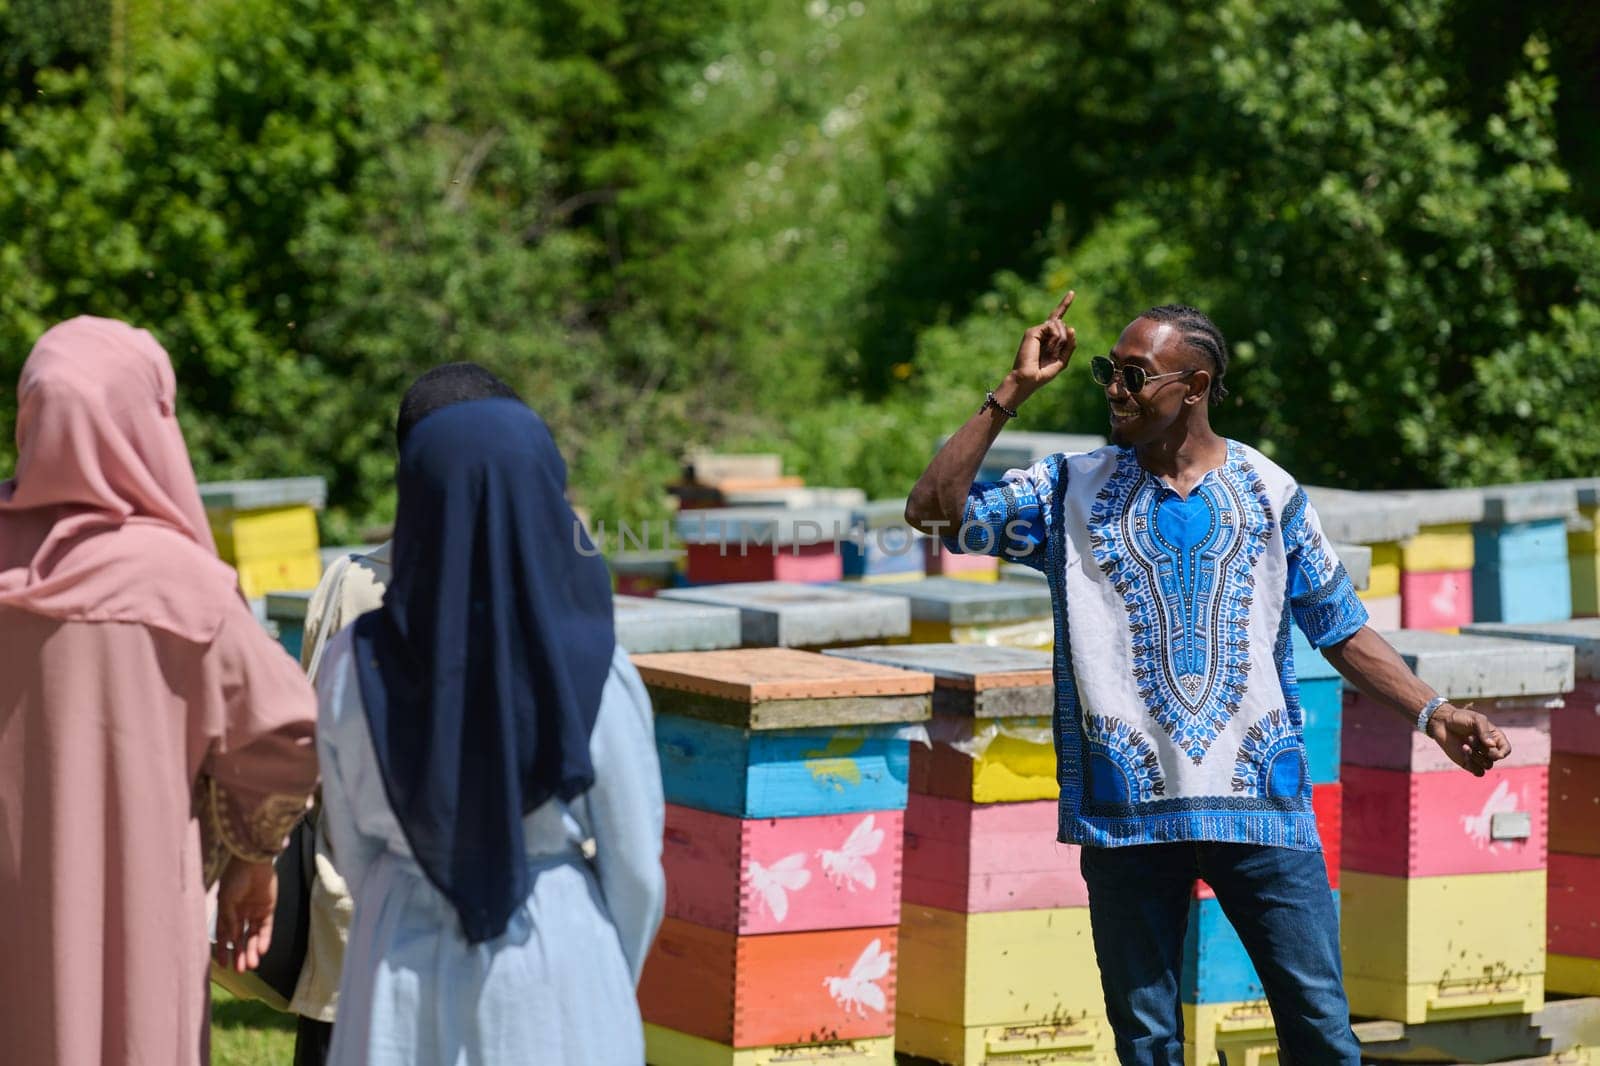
1280 905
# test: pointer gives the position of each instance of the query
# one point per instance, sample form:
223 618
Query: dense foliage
813 226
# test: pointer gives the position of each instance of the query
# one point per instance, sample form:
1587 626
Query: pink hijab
103 520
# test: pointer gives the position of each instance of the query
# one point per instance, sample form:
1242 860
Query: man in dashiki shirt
1177 561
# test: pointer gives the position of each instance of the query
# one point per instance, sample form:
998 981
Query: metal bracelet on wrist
990 401
1425 715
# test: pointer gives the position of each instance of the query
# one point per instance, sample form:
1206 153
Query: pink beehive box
1377 737
780 875
1435 599
1446 822
977 858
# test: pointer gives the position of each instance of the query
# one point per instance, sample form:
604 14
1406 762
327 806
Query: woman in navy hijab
481 736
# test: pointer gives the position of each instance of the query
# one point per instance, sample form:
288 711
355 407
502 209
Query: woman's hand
247 893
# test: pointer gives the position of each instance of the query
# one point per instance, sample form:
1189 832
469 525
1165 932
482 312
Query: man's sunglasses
1133 376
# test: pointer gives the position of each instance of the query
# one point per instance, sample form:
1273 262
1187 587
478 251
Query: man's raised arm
938 500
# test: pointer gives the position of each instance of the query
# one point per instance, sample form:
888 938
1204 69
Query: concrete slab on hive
1443 507
645 624
973 679
782 688
1504 504
757 528
1362 517
960 603
1582 635
1475 667
790 614
267 492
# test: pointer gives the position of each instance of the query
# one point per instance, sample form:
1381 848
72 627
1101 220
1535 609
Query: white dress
558 985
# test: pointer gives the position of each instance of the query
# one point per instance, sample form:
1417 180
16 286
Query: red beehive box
1575 804
1574 915
1448 822
769 875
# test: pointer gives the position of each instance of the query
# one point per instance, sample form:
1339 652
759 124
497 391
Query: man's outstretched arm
938 500
1371 664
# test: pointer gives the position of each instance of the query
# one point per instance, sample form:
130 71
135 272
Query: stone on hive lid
1362 517
1475 667
1443 507
962 603
709 468
251 495
649 625
781 688
1531 502
790 614
1582 635
973 679
1357 560
754 527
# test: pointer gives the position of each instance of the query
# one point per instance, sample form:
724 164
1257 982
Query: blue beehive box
782 773
1216 968
1322 701
881 544
287 612
1520 572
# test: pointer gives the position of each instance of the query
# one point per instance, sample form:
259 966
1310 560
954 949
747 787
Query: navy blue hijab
482 672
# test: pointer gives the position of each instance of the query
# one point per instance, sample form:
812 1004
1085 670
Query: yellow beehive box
1425 949
282 573
1084 1042
668 1047
1585 586
270 532
1572 975
1437 549
1001 760
1241 1031
1585 541
1385 575
1003 969
1037 634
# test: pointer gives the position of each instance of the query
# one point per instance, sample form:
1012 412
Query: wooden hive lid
754 675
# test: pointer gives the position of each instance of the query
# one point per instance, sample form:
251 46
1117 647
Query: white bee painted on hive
774 883
1478 826
860 990
849 866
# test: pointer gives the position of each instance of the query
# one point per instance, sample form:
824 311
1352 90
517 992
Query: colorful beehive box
1020 981
763 544
822 986
783 875
707 475
1575 728
940 561
1321 692
658 624
268 530
644 572
1573 925
775 732
991 729
1244 1032
1520 570
944 611
1436 564
1516 683
667 1047
1583 544
882 546
286 612
790 614
1422 949
973 858
1446 822
1575 803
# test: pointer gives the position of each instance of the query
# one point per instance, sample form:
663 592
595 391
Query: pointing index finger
1061 308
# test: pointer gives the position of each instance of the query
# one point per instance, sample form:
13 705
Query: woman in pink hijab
152 736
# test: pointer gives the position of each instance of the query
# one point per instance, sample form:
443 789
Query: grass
246 1033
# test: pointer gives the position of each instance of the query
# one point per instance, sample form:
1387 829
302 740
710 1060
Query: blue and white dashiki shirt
1177 713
